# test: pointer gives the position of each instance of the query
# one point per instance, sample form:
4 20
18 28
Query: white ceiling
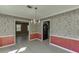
42 11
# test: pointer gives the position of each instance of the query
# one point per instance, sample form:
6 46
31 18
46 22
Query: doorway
46 30
22 32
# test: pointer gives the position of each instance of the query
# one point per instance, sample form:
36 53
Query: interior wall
39 26
40 30
33 28
7 29
64 30
34 31
8 33
66 24
7 25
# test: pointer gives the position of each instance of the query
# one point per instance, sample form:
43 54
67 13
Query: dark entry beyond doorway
21 31
46 29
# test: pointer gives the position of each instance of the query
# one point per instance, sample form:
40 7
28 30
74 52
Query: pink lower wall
6 40
35 36
66 43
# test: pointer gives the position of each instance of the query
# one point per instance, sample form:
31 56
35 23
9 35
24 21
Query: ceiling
42 11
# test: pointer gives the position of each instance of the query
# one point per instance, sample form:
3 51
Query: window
18 27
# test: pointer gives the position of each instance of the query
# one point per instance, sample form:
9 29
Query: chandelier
35 20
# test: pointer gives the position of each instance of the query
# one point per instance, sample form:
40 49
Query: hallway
32 47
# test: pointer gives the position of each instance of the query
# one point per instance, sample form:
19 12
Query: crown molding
55 14
15 16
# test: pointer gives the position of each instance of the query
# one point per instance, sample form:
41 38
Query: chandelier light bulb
34 20
38 21
31 21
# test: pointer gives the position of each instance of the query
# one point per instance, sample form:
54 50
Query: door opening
22 32
46 30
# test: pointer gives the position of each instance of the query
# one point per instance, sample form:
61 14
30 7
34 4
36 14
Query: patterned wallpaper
39 27
65 24
7 25
33 28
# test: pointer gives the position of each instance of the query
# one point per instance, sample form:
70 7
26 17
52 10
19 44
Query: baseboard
66 37
40 39
6 35
63 48
8 45
35 39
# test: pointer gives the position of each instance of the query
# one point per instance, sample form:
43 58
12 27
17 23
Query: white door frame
28 29
42 29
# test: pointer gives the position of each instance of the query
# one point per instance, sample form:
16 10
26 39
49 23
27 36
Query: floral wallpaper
7 25
65 24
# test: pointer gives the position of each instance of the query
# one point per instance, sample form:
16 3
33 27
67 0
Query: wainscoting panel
4 41
66 43
35 36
